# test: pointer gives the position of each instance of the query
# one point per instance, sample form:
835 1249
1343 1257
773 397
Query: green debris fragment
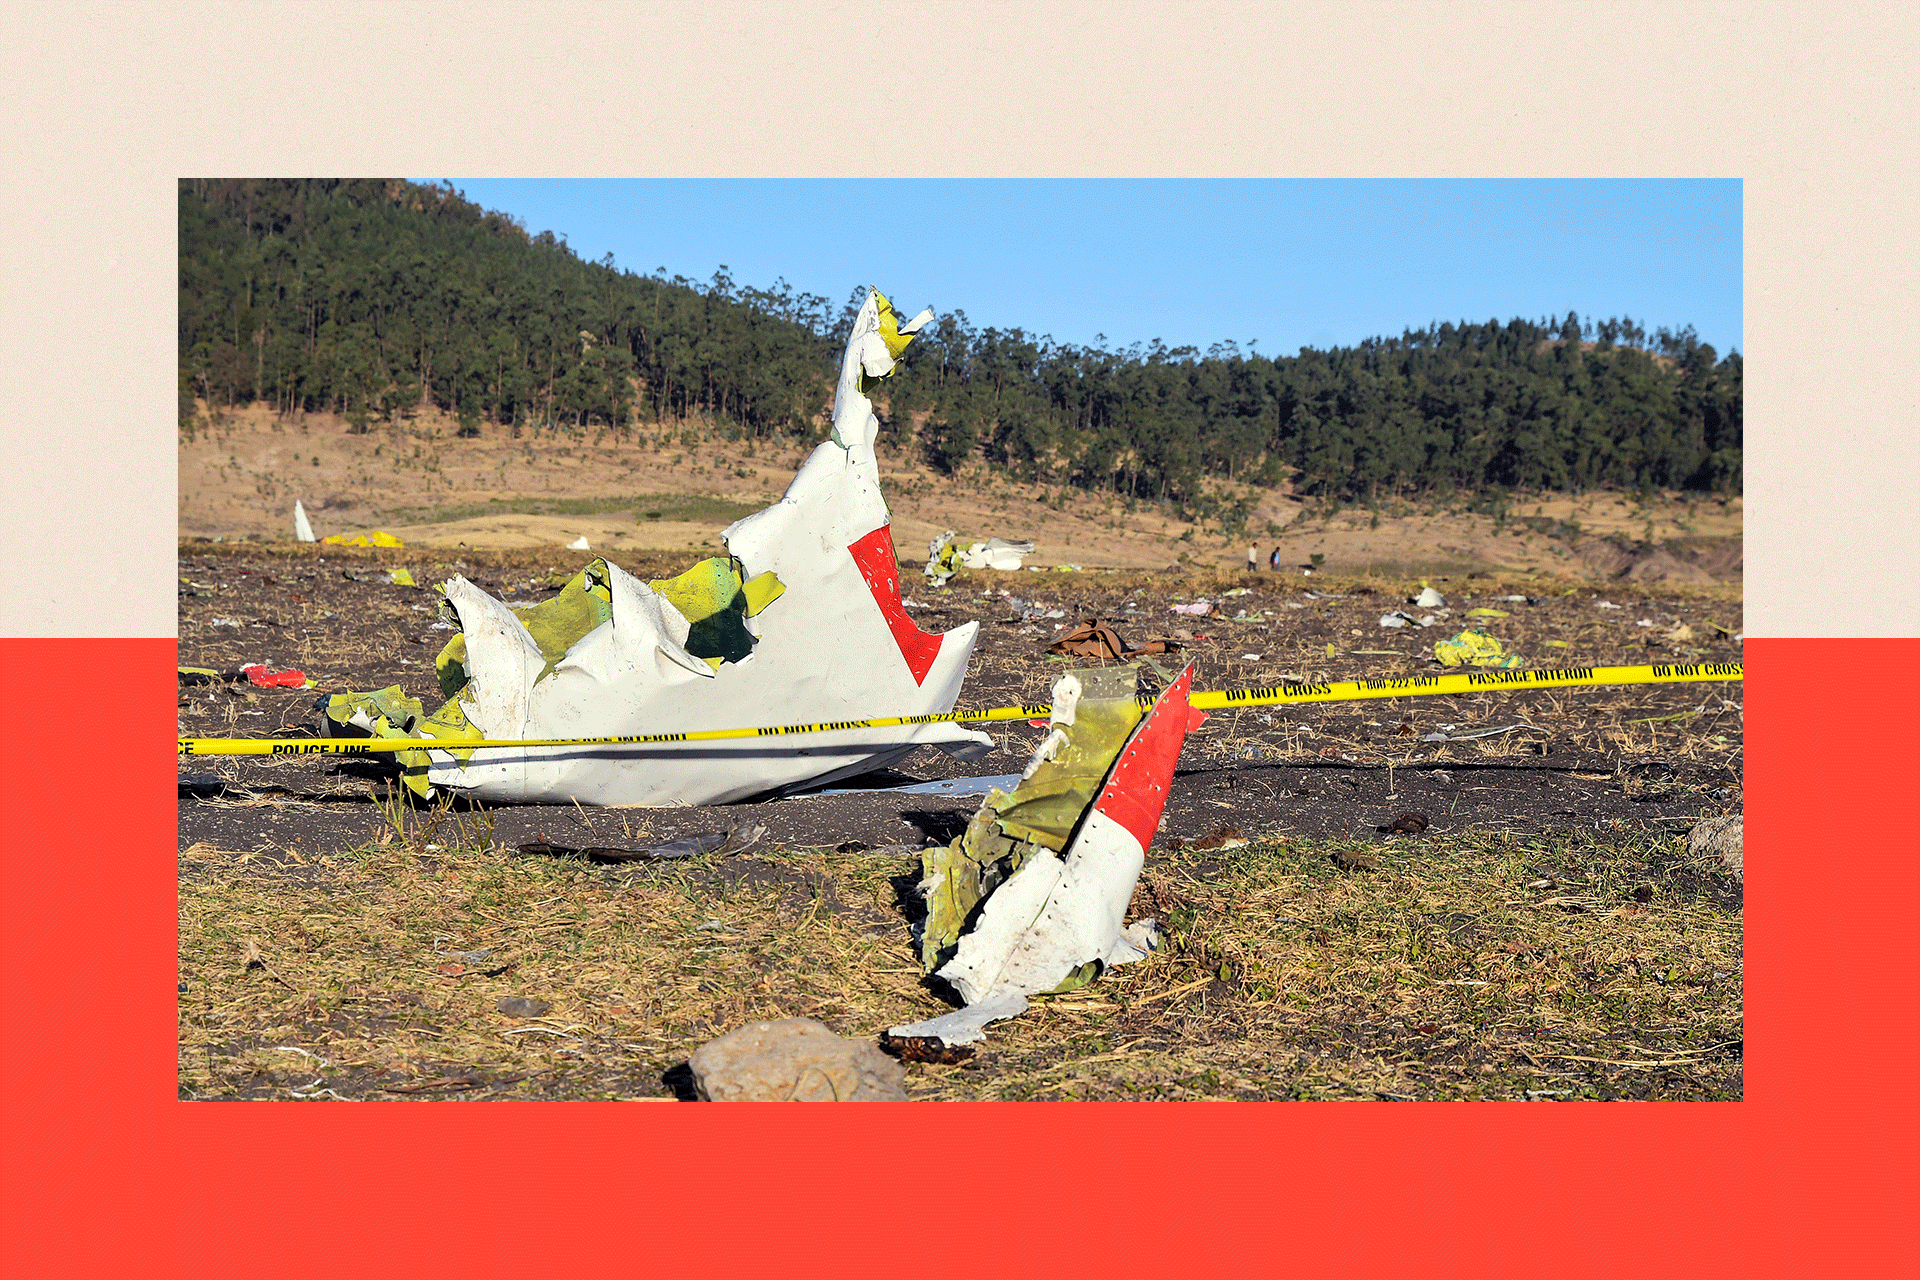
716 599
1042 812
450 665
1476 649
890 334
761 590
944 562
393 713
585 602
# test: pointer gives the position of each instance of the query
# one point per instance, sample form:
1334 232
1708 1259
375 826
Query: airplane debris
1031 898
945 556
302 530
1476 649
377 538
803 613
1092 638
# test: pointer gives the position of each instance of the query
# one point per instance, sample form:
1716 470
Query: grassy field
1458 968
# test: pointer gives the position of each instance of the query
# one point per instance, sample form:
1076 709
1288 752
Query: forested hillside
367 298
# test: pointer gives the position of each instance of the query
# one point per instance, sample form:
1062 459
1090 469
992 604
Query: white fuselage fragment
1055 914
830 649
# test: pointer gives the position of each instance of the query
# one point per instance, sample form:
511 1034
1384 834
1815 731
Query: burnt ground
1618 773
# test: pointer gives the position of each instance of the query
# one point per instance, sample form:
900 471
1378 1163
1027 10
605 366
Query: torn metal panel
376 538
963 1026
996 553
1056 920
946 557
1476 649
1093 713
393 713
802 620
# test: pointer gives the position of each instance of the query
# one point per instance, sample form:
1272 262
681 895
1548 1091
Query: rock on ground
794 1060
1720 838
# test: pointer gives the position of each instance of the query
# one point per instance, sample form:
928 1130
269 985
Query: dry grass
1465 966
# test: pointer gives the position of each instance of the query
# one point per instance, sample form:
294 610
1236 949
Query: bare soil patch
419 479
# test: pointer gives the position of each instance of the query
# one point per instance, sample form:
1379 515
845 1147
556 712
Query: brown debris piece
1224 836
1354 860
522 1007
1092 638
1410 823
925 1049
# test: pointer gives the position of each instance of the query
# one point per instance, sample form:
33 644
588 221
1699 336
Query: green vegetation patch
646 508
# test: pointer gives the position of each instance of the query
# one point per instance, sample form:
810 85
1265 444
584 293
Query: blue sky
1284 263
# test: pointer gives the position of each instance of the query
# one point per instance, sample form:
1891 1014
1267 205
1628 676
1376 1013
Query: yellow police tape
1283 694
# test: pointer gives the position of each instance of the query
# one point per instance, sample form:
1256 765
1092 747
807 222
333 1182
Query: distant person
1273 561
1253 560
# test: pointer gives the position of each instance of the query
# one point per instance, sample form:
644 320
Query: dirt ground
1546 937
418 479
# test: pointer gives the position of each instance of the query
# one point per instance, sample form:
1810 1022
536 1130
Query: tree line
368 298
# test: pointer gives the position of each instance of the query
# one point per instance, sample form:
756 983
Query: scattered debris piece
720 844
579 544
794 1060
1396 619
1007 915
302 529
938 787
1643 893
852 846
1408 824
998 553
1224 836
1198 609
924 1049
1429 599
943 560
1092 638
1354 860
400 577
521 1007
1720 838
377 538
1478 733
266 678
1476 649
945 556
1488 613
802 614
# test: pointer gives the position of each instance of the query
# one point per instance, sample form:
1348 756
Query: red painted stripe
1136 790
874 555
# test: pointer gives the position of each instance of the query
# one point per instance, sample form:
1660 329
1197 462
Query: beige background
104 106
